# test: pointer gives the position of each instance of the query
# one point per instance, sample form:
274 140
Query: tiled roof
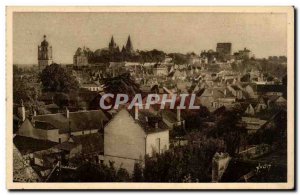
28 145
66 146
149 126
270 88
77 121
22 172
91 143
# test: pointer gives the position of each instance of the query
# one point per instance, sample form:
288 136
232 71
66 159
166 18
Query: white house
60 127
129 136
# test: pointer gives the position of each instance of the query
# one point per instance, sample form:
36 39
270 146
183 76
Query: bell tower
44 54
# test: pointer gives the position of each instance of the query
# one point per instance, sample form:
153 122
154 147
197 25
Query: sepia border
152 186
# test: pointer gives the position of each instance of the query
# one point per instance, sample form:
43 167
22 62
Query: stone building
130 135
242 54
224 50
80 58
60 127
44 54
112 46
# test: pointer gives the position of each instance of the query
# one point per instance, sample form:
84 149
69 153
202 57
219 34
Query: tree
122 175
121 84
230 129
89 172
179 58
137 173
176 165
61 99
22 90
55 78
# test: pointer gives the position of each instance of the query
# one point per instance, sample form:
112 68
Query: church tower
44 54
129 47
112 45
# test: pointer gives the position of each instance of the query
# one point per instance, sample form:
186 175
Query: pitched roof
22 172
91 143
149 126
28 145
270 88
77 121
67 146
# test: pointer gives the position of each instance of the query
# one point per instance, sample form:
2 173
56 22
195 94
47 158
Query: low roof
77 121
22 172
28 145
149 126
91 143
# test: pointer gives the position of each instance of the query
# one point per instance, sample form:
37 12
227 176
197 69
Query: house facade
127 146
60 127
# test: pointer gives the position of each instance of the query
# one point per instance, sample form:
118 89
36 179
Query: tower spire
112 45
129 47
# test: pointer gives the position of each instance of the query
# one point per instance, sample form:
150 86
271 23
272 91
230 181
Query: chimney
178 114
136 112
146 118
34 112
220 163
22 112
67 112
156 125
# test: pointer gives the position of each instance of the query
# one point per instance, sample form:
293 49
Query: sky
265 34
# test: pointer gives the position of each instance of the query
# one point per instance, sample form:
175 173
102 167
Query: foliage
178 164
61 99
137 173
229 128
179 58
55 78
275 132
106 56
22 90
122 84
195 120
101 173
151 56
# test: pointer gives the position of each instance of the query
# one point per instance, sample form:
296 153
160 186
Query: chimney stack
136 112
156 125
178 114
34 112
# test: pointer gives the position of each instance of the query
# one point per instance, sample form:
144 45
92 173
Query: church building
44 54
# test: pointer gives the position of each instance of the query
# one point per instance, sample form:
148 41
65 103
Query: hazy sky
263 34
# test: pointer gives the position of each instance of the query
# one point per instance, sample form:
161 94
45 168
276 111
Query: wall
220 162
125 163
152 144
27 130
45 62
124 139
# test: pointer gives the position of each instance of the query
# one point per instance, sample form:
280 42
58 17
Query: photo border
289 185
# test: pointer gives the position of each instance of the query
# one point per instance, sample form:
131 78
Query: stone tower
129 47
44 54
112 45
